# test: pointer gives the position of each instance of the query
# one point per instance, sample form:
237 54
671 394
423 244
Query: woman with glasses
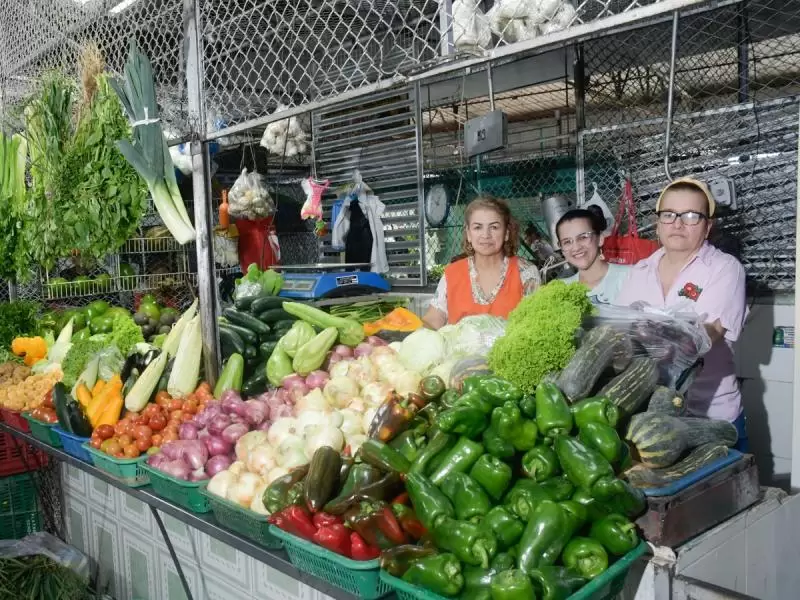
580 236
689 272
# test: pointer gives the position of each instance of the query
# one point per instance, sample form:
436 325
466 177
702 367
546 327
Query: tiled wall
119 533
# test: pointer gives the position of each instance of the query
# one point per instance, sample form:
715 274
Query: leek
186 368
175 334
148 153
144 387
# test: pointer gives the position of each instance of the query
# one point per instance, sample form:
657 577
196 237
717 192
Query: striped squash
594 356
667 401
630 389
643 477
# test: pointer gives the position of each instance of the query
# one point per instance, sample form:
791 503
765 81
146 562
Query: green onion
148 153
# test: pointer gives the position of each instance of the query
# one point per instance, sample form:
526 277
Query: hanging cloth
371 209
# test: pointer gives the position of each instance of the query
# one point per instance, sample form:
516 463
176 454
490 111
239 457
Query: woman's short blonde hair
499 206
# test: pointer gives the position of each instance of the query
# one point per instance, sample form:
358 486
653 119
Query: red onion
265 425
203 433
218 424
343 351
290 381
317 379
298 392
374 340
363 349
177 469
217 463
205 416
171 450
217 446
233 432
232 403
187 431
256 412
157 460
194 453
281 410
198 475
282 396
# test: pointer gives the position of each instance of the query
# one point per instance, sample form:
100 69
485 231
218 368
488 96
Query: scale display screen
299 285
346 280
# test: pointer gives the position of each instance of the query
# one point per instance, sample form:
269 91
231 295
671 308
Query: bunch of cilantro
540 335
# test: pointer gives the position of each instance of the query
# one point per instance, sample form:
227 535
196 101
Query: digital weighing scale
337 280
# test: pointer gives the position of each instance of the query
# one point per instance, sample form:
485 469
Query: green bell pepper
586 467
396 561
617 534
553 416
471 383
477 583
383 456
528 406
432 387
467 496
462 420
430 504
545 536
507 421
497 445
624 499
459 459
585 556
504 561
577 513
540 463
594 509
523 498
506 528
492 474
474 399
512 585
468 541
439 443
558 488
555 583
498 391
441 574
409 444
595 410
449 398
604 439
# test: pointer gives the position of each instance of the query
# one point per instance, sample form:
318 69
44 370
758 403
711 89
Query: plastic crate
127 470
73 445
19 507
184 493
14 419
359 577
18 456
243 521
44 432
605 587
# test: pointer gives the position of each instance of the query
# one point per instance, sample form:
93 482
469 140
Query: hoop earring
468 247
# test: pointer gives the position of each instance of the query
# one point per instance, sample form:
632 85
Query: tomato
96 443
48 399
169 436
156 440
132 416
163 398
189 406
104 432
50 417
119 427
112 447
143 445
151 409
187 417
125 439
143 432
203 392
176 414
157 422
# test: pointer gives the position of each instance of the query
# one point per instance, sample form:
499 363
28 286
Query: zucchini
248 336
230 342
257 383
266 303
643 477
265 349
630 389
244 320
595 354
247 302
661 440
667 401
275 314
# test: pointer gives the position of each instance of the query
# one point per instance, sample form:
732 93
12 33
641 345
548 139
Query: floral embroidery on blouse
691 291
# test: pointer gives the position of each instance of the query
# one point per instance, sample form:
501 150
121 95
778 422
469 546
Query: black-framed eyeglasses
690 217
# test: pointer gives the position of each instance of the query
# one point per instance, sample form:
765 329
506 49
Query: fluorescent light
124 5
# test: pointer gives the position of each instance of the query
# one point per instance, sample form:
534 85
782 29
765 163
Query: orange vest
460 303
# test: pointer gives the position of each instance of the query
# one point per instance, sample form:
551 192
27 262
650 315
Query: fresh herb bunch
39 578
17 318
367 311
540 334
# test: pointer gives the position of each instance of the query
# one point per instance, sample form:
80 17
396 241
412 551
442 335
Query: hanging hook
671 94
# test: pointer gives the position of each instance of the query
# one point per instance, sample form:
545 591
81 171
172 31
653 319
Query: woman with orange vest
491 280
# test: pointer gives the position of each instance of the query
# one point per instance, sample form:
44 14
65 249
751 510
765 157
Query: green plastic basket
184 493
359 577
19 508
605 587
43 431
243 521
127 470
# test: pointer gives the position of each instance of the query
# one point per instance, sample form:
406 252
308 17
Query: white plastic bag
249 197
50 546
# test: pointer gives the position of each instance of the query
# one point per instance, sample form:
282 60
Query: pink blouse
713 285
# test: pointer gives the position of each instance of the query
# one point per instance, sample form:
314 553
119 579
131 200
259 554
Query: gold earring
470 249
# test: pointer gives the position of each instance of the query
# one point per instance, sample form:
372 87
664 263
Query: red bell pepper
376 523
360 550
401 499
409 521
296 521
323 519
334 537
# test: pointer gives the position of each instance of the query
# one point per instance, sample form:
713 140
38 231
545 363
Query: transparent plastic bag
472 336
249 197
42 543
676 338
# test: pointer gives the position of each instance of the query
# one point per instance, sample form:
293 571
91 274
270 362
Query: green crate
184 493
605 587
359 577
19 507
43 431
127 470
243 521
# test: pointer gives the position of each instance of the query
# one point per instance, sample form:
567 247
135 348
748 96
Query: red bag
627 249
258 243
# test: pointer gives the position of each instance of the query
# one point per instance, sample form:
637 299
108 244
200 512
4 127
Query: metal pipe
490 81
579 74
423 263
175 561
671 93
743 52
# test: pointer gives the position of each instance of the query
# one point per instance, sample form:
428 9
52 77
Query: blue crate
73 445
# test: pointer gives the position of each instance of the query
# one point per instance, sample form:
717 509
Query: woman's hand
715 331
434 319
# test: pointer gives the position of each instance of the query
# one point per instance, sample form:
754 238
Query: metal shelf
153 245
276 559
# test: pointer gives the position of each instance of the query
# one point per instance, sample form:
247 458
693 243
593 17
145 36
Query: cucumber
265 349
273 315
266 303
284 325
248 336
257 383
250 352
244 320
230 341
246 302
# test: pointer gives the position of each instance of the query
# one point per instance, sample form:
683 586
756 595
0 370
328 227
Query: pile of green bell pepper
519 495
